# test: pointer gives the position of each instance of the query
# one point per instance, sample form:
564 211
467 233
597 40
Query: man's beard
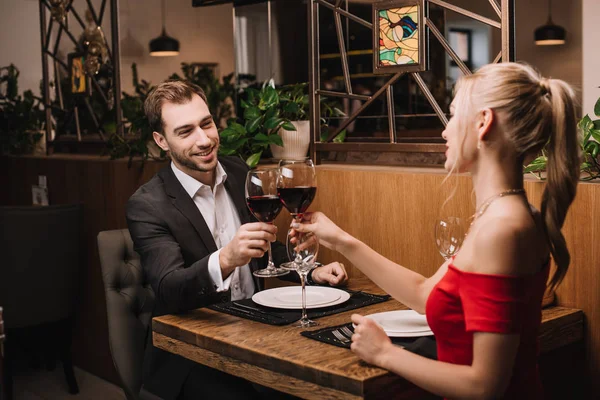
188 163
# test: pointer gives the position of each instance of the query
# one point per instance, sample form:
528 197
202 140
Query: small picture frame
79 81
399 36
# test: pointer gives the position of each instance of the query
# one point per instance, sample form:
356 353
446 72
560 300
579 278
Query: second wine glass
449 235
296 187
263 201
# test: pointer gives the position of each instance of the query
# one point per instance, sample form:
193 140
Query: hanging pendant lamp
164 45
550 34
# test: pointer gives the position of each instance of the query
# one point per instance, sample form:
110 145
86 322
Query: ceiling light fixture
164 45
550 34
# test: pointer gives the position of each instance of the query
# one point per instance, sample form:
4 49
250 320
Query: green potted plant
21 117
251 135
590 146
295 108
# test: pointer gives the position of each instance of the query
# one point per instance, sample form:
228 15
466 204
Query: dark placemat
276 316
423 345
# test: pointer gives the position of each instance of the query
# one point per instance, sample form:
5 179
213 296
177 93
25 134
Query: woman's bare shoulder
506 245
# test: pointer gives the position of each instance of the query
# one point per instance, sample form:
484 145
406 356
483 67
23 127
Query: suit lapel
184 203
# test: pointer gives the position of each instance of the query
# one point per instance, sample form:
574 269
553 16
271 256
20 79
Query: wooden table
280 358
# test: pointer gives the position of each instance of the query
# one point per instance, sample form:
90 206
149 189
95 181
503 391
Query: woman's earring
478 144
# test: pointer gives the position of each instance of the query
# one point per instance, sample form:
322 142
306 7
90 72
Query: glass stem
303 281
270 264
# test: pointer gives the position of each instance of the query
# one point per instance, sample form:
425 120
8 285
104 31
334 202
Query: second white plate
402 323
290 297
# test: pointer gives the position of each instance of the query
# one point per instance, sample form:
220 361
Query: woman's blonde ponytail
562 171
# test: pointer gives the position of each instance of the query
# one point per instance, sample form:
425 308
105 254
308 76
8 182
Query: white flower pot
295 143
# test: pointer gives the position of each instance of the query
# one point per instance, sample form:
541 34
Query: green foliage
266 110
590 146
138 133
21 117
257 128
295 107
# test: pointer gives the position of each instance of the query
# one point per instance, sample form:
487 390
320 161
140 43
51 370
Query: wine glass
303 249
296 187
449 235
264 204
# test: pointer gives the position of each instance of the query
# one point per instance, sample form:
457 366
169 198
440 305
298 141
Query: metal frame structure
506 13
49 52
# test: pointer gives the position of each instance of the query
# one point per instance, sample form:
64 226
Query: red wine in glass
265 208
263 202
297 199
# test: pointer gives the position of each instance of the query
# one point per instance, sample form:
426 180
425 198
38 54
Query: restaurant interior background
207 36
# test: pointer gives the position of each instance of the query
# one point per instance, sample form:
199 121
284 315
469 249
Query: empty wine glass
303 249
263 202
449 235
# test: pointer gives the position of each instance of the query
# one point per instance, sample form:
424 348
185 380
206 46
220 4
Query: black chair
129 303
40 250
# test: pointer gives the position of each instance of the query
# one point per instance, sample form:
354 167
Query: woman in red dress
484 305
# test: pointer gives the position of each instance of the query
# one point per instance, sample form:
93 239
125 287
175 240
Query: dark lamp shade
550 35
164 46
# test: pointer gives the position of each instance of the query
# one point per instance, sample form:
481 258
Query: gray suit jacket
174 244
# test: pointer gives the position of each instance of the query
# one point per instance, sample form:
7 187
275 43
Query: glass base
270 273
288 266
306 323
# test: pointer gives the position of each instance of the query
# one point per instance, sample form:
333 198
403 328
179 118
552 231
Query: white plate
290 297
402 323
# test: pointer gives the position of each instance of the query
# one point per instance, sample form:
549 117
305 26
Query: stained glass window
399 36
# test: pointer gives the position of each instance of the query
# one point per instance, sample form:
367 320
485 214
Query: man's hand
334 274
250 241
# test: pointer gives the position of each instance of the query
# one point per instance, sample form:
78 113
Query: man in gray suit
197 241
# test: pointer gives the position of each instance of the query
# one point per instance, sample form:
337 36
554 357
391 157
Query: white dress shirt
221 216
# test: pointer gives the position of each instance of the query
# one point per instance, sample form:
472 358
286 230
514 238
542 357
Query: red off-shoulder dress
466 302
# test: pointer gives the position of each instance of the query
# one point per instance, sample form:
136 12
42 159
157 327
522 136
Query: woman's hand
369 341
329 234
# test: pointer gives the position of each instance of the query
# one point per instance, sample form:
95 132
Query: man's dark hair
171 91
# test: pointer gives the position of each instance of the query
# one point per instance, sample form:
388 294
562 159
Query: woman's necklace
484 206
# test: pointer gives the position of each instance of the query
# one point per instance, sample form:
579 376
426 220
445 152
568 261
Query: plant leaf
586 123
597 108
340 137
251 113
270 98
272 123
276 139
288 126
239 128
226 152
261 137
253 124
238 143
253 160
228 133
